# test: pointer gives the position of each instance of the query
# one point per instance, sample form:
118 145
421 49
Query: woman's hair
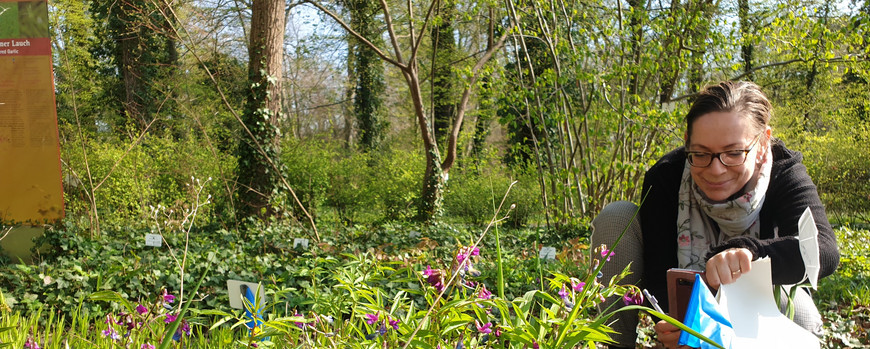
743 97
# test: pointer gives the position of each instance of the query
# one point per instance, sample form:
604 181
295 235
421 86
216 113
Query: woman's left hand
727 266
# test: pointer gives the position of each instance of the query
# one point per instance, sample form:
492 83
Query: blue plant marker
256 319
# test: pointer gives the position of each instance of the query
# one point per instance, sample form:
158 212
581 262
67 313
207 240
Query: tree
437 165
443 79
137 41
259 174
367 73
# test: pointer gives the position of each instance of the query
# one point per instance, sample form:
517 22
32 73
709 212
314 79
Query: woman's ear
765 145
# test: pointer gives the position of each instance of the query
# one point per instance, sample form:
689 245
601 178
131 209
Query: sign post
31 192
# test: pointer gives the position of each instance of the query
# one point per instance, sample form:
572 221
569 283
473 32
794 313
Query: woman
731 195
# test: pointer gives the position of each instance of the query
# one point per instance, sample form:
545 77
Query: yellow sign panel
30 179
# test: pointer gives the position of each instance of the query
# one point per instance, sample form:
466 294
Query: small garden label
547 252
300 242
153 240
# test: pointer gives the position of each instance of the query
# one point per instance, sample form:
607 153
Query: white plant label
547 252
300 242
414 234
153 240
235 291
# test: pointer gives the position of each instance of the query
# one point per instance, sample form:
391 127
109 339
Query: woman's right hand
667 334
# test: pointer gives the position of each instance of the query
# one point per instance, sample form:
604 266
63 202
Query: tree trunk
745 31
368 73
443 54
258 153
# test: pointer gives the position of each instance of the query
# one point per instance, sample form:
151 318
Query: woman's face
718 132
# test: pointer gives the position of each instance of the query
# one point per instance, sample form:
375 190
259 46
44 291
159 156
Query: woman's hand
668 334
727 266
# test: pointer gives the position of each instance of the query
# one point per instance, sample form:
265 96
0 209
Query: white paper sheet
749 304
808 236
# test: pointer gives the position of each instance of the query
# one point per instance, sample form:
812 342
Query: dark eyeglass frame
691 154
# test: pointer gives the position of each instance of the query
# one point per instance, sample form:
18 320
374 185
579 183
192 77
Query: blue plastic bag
703 315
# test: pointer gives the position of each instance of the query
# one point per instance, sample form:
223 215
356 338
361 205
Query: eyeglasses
728 158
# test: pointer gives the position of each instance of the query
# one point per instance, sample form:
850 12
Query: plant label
300 242
414 234
236 291
547 252
153 240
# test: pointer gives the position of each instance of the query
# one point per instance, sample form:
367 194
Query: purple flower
466 252
297 323
371 319
535 345
632 297
606 253
486 328
30 344
141 309
563 293
146 346
578 287
168 298
170 318
484 293
110 332
433 278
185 327
395 324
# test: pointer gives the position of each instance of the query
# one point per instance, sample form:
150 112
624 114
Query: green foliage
843 297
132 179
371 187
473 197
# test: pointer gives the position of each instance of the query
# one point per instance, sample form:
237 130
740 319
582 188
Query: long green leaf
167 339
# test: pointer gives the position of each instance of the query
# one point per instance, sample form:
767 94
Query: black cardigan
790 191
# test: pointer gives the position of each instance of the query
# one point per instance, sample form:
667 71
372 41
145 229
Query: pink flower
466 252
428 271
578 287
146 346
170 318
684 240
484 293
110 332
632 297
297 323
395 324
486 328
141 309
167 297
371 319
30 344
606 253
563 293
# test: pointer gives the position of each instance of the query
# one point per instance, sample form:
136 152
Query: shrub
474 198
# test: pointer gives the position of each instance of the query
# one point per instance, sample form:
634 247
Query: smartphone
680 283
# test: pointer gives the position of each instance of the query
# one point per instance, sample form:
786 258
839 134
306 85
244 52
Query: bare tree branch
389 19
358 36
451 142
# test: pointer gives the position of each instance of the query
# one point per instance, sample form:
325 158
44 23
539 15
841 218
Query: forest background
359 119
